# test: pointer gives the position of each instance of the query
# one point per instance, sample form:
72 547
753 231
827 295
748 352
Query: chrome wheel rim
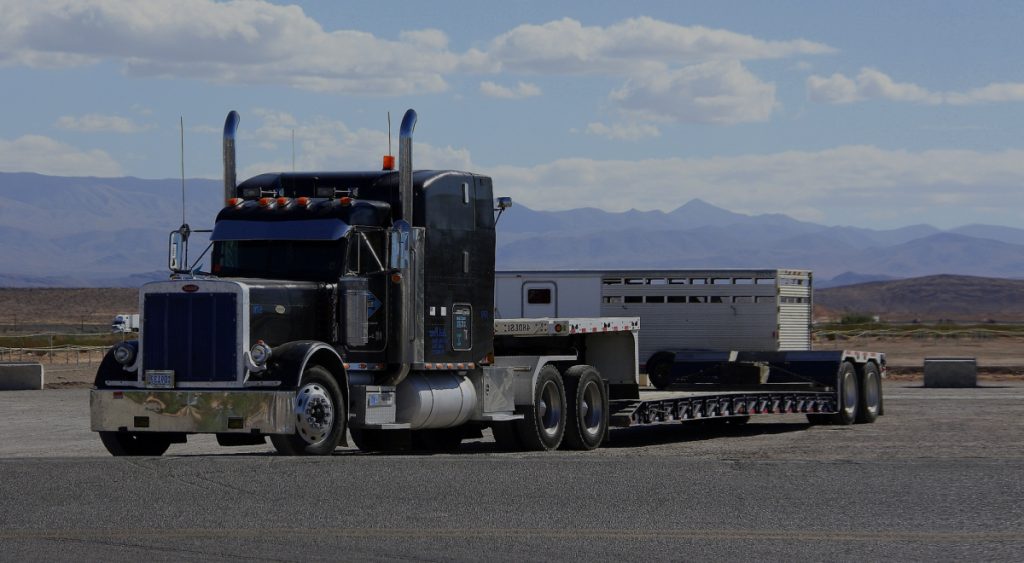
549 408
849 393
314 413
871 391
591 408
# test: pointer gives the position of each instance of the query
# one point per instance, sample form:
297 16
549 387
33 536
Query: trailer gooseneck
362 303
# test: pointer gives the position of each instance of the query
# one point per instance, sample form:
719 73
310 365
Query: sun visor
307 229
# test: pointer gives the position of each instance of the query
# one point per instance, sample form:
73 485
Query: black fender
289 360
111 370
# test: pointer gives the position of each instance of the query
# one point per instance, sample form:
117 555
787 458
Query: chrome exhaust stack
230 128
405 164
407 261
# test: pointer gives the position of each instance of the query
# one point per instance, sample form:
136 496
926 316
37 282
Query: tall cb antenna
181 129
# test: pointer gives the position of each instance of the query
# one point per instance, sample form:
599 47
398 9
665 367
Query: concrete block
21 376
950 372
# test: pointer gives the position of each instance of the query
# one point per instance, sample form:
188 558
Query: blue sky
875 114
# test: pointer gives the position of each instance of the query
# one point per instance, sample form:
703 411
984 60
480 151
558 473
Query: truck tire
320 416
849 395
543 424
870 394
658 369
135 443
586 422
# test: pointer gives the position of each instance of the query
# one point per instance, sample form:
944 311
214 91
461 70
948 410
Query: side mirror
177 249
501 205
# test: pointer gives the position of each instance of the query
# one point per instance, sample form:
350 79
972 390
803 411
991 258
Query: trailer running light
303 201
266 201
283 201
124 354
235 201
260 353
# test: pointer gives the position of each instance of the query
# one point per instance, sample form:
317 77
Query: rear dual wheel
587 420
870 401
849 399
569 411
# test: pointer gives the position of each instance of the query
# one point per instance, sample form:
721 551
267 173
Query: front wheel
135 443
319 416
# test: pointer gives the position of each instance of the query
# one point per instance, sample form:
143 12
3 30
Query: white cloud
874 84
859 181
567 46
241 42
713 92
43 155
522 90
325 144
623 131
94 123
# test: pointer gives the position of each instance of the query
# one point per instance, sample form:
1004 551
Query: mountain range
65 231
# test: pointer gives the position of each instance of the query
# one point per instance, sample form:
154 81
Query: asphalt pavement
937 478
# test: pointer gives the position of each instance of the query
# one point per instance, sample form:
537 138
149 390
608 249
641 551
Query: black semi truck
362 304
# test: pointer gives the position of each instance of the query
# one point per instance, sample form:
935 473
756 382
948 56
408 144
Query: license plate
160 379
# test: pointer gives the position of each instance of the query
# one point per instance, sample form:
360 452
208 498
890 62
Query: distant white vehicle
125 323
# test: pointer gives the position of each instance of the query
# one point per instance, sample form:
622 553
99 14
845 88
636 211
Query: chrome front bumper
264 412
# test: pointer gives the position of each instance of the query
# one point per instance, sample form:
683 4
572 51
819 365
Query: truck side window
366 251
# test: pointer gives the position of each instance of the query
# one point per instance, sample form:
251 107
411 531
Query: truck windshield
279 259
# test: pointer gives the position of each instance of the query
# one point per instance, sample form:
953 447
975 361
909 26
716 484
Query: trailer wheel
849 395
870 394
659 368
587 415
135 443
320 416
543 424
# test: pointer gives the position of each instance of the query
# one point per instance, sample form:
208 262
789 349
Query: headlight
124 354
260 353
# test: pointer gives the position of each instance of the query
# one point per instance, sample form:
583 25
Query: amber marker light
283 201
389 162
345 201
266 201
235 201
303 201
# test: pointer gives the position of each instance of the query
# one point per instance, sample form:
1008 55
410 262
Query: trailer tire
870 394
543 424
659 368
849 395
135 443
320 416
586 422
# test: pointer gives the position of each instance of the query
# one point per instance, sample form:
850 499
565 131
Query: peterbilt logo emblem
190 288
